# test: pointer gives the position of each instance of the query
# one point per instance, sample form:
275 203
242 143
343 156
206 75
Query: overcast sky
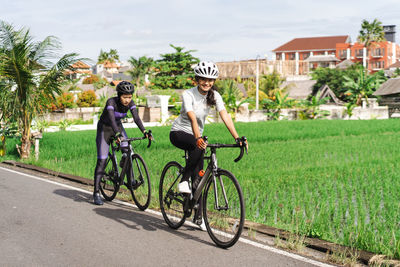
219 30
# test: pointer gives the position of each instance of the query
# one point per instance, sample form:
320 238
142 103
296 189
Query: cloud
220 30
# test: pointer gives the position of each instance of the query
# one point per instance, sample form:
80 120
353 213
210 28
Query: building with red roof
79 69
379 56
328 51
302 48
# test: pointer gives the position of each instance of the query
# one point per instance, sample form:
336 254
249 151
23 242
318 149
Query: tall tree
371 32
29 78
174 70
111 56
334 78
141 67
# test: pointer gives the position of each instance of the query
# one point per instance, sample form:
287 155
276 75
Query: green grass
336 180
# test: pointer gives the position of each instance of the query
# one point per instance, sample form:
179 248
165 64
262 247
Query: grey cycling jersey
192 100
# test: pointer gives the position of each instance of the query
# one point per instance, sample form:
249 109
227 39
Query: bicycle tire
109 184
142 194
171 201
224 225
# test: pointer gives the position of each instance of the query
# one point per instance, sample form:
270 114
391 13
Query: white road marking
249 242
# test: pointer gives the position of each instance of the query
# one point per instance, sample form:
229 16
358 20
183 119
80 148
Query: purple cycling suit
110 124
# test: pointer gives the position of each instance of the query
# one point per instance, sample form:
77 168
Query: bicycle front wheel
223 209
171 201
142 194
109 185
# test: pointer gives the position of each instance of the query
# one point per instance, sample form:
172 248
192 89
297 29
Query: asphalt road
44 223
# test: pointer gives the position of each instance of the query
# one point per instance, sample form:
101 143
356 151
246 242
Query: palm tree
111 56
29 78
141 67
371 33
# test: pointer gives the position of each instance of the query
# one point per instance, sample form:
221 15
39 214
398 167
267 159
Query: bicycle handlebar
243 147
113 138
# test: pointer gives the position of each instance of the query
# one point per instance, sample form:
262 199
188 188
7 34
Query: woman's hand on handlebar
148 135
118 138
241 140
201 143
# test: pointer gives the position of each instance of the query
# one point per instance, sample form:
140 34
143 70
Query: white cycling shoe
183 187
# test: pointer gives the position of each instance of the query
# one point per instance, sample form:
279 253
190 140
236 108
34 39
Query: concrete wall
145 113
72 114
336 112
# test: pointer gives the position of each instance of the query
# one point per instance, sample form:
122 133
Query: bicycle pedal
197 221
136 186
188 213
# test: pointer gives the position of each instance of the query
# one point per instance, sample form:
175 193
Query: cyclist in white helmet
187 129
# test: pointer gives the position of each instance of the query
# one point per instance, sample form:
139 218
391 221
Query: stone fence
156 110
147 114
367 111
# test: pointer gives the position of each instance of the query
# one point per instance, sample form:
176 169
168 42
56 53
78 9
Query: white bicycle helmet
206 69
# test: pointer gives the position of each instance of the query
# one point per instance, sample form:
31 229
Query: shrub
175 97
100 83
66 100
87 99
91 79
48 103
63 125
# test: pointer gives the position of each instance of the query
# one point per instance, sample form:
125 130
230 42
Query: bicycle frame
128 160
210 173
222 207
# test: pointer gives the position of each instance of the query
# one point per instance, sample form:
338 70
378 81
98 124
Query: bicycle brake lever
244 143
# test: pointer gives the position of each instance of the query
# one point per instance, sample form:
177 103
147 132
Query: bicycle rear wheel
109 185
142 194
171 201
223 209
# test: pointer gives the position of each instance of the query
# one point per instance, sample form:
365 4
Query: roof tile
313 43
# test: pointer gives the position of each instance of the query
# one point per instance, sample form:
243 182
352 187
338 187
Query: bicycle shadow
76 196
132 217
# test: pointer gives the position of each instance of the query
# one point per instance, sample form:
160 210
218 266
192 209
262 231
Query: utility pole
257 80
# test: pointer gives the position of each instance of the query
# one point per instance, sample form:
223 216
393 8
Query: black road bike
223 207
114 178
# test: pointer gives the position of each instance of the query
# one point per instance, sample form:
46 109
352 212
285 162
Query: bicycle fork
217 206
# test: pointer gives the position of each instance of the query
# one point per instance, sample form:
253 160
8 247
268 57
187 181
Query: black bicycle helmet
125 88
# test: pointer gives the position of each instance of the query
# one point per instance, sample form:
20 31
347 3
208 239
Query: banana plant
363 87
312 108
277 103
7 130
231 95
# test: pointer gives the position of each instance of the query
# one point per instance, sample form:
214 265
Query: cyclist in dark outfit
110 125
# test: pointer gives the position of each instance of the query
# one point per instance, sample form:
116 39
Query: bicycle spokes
109 183
171 201
223 209
141 192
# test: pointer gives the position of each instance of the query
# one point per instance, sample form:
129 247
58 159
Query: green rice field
335 180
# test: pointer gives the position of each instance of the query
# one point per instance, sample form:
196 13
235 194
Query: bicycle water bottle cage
186 156
121 163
